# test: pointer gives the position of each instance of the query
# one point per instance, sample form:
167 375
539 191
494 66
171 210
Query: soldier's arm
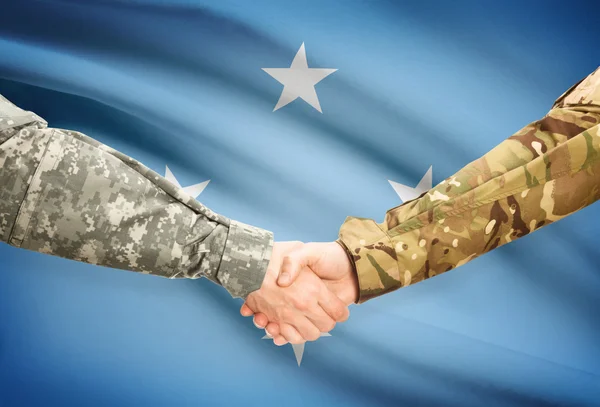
65 194
544 172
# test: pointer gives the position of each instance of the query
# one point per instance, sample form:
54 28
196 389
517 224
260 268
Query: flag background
179 83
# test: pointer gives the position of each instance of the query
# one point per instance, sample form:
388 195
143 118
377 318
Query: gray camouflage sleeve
68 195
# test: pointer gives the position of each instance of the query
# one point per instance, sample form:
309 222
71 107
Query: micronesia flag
186 84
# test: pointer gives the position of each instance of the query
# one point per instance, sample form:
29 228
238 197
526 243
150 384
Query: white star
192 190
299 81
407 193
298 349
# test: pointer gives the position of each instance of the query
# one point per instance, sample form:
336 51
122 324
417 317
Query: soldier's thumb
292 265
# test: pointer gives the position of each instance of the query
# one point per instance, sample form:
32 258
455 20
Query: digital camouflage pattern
65 194
544 172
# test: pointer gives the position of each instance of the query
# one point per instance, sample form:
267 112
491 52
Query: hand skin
303 309
330 263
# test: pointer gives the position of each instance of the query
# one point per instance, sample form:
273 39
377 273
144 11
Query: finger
258 325
290 269
279 340
261 319
333 306
321 320
246 311
291 334
272 329
293 262
305 328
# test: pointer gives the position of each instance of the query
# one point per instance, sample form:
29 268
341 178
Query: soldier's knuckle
338 313
296 339
301 304
286 314
313 335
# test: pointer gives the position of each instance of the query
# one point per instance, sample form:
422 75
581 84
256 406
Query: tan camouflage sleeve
65 194
544 172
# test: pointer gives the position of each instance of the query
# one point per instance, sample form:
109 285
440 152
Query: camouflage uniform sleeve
544 172
65 194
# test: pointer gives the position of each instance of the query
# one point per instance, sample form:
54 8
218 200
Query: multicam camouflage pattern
65 194
544 172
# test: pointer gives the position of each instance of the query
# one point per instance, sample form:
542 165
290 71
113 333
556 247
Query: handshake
306 290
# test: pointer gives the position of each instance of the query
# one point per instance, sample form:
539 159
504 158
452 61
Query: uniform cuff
13 116
373 256
245 259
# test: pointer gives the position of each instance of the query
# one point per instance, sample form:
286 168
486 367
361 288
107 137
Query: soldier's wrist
245 259
351 288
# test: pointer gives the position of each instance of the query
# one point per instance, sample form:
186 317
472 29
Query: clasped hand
307 289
